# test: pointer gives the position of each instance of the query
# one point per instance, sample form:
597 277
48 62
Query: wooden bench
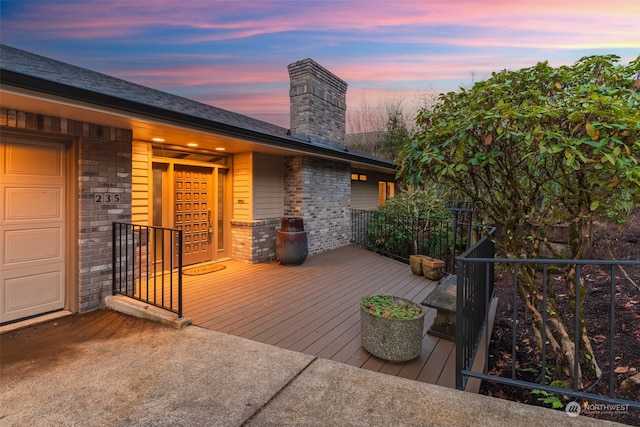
443 299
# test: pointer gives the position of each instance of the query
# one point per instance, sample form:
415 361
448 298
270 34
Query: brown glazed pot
292 247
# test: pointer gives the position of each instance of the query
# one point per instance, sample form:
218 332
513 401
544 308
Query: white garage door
32 226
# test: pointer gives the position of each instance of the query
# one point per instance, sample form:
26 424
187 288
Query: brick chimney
318 102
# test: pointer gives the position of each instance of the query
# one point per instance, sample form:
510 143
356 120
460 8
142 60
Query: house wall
242 187
257 206
365 194
103 166
104 162
140 176
315 189
319 191
268 186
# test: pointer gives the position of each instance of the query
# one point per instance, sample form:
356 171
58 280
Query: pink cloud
408 69
593 20
269 106
225 79
417 68
203 74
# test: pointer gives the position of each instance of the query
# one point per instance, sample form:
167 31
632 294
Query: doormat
203 269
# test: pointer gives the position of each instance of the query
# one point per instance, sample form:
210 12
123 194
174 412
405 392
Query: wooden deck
313 308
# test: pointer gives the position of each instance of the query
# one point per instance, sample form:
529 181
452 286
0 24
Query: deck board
313 308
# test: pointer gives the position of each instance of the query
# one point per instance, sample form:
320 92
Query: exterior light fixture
157 139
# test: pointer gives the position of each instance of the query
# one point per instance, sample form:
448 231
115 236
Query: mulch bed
609 242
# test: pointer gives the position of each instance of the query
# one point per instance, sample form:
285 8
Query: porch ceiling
146 128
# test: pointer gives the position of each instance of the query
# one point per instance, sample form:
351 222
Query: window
386 190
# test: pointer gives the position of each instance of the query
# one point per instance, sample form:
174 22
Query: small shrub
383 305
413 222
548 399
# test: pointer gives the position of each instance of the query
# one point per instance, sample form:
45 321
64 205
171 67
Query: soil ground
610 242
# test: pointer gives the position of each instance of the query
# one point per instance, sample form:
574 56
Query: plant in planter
391 327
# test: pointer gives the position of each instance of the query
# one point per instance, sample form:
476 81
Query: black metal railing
476 268
400 236
474 292
147 265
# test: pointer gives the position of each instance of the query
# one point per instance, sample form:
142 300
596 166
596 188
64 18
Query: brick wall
254 241
103 167
319 191
317 102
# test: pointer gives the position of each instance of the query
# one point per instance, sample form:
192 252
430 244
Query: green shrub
413 222
383 305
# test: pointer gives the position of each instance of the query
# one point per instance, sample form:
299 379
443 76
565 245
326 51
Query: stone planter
395 340
415 261
433 269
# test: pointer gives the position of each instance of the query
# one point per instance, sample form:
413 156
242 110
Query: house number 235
106 198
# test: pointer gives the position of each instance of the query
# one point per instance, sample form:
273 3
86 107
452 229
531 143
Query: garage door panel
19 247
32 204
33 159
41 291
32 227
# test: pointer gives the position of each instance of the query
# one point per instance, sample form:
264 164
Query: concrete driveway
104 368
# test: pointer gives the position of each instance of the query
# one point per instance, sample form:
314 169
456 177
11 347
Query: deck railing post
460 340
465 350
612 330
129 257
473 299
113 258
179 274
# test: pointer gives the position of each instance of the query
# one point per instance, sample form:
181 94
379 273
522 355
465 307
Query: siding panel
242 187
364 194
140 183
268 186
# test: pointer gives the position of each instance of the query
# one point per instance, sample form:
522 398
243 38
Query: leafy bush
413 222
533 148
428 202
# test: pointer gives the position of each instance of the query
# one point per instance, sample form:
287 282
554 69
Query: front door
193 212
32 227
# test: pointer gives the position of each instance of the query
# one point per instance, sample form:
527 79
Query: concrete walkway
163 376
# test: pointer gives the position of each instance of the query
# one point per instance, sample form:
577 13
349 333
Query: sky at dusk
234 54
